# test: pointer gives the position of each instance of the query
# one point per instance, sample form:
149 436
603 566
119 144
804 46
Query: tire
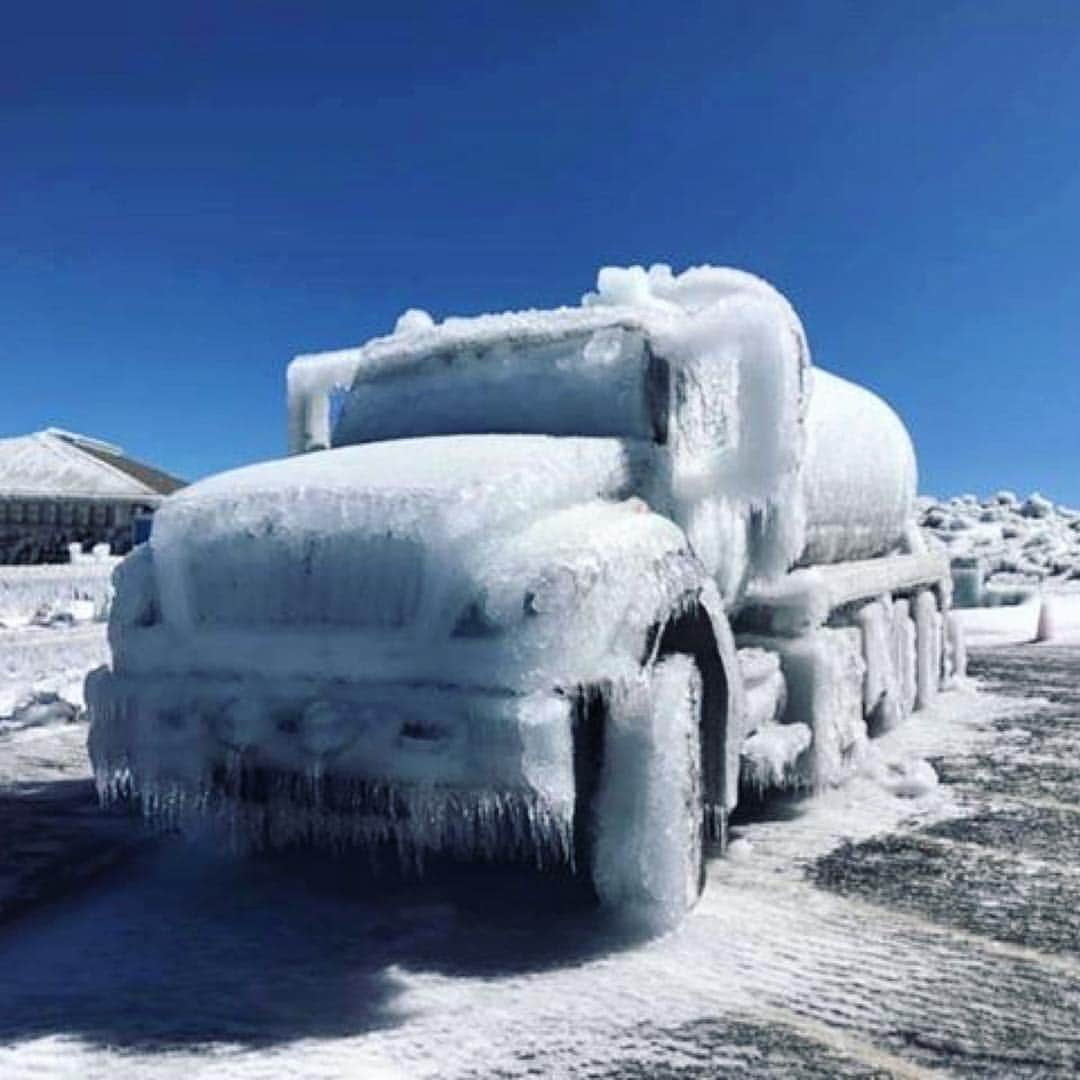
640 830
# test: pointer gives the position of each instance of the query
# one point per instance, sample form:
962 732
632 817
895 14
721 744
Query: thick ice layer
860 477
374 562
763 682
649 833
415 821
363 535
904 653
824 673
768 756
313 378
298 761
806 597
599 384
882 698
528 498
712 364
929 630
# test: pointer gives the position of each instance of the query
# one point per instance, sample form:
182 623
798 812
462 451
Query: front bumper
294 760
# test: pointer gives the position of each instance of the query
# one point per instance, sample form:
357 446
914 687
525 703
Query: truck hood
370 535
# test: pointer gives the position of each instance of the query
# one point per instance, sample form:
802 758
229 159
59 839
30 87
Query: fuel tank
859 476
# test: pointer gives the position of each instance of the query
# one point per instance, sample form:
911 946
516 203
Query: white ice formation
518 524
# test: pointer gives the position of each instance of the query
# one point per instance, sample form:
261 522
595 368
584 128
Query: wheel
642 832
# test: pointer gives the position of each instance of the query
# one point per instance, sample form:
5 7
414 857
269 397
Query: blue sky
190 194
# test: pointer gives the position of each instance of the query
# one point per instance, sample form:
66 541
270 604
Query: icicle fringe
264 809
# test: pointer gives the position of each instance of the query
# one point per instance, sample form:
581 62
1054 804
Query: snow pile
38 708
1004 544
1015 566
908 778
48 660
66 592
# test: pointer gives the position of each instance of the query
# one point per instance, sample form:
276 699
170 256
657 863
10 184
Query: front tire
647 850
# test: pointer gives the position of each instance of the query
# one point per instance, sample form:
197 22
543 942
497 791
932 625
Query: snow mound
906 777
39 708
62 592
1008 543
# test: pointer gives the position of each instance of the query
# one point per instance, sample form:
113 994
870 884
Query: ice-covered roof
625 296
663 305
61 464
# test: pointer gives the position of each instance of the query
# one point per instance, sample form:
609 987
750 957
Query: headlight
555 591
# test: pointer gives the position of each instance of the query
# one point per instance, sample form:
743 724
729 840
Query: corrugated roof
63 464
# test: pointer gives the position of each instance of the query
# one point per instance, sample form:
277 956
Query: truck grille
338 580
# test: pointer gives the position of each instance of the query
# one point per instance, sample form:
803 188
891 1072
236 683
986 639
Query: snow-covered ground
41 660
822 946
53 836
798 961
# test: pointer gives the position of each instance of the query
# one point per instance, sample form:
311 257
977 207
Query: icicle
256 809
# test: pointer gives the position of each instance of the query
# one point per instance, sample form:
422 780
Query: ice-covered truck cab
487 605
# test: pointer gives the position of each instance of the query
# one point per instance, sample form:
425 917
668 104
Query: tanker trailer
545 585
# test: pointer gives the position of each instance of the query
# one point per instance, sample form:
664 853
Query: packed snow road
855 935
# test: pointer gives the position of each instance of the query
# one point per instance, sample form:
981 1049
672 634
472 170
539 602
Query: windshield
605 383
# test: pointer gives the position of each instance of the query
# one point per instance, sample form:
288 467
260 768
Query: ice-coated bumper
428 768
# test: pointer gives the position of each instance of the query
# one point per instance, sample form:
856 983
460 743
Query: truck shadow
183 947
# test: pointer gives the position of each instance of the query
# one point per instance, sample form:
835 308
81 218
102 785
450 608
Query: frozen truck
551 585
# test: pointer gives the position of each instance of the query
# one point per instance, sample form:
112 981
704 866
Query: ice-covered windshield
604 383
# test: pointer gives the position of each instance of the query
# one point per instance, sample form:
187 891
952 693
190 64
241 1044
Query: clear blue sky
192 193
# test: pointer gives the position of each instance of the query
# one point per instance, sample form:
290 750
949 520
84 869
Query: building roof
61 464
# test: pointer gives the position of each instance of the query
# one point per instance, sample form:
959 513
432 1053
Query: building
58 488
